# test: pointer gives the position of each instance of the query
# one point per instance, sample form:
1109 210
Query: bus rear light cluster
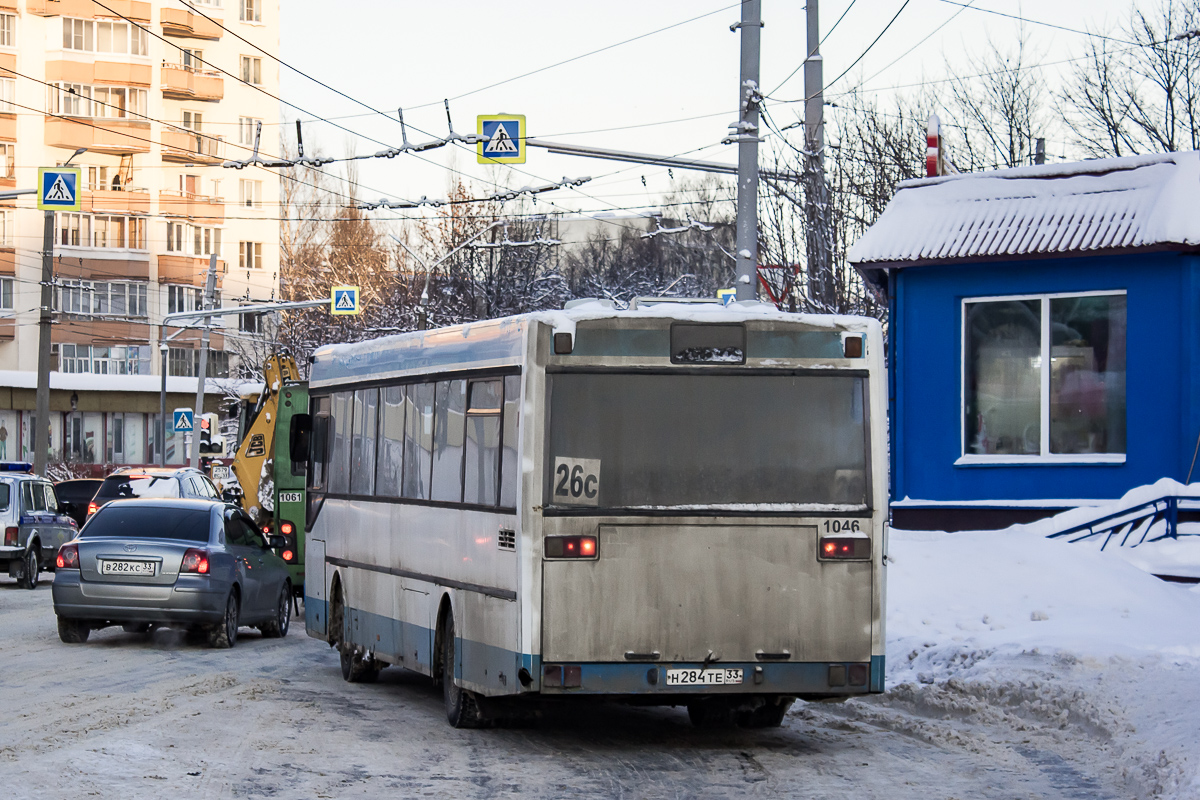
559 676
572 547
10 536
195 561
68 557
843 548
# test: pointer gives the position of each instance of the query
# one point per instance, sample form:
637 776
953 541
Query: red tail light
92 508
287 528
288 556
844 547
68 557
10 536
195 560
571 547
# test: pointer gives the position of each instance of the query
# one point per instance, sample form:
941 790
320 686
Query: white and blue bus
673 504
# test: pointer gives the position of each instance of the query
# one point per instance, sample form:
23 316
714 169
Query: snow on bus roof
566 319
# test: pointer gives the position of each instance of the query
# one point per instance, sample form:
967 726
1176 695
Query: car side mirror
276 542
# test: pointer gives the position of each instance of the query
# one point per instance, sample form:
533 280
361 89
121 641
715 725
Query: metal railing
1150 521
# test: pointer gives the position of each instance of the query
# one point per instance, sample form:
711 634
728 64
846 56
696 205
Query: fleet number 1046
841 525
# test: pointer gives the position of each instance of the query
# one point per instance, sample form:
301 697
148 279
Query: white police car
33 522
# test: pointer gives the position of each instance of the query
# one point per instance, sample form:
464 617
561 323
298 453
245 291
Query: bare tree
1139 99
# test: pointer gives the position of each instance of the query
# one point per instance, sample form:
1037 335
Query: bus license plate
110 567
703 677
291 497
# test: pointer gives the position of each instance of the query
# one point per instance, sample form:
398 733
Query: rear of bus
713 512
292 428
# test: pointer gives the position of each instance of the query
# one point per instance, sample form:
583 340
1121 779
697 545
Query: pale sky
667 93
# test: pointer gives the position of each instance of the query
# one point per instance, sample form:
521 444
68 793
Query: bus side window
319 451
482 459
509 473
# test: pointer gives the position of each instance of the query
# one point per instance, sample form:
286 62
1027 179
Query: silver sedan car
194 564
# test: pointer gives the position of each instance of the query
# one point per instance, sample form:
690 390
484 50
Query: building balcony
85 9
181 22
99 134
181 83
124 73
188 147
127 201
8 327
8 127
203 210
187 270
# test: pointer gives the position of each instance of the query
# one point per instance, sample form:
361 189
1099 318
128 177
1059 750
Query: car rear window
141 522
116 487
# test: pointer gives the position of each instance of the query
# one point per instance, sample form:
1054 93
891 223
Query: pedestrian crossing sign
183 420
58 189
344 300
505 138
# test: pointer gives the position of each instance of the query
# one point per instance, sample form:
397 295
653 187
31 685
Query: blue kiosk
1044 337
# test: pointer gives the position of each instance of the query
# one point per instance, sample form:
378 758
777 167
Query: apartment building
160 94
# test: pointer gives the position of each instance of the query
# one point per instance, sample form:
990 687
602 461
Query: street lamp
78 152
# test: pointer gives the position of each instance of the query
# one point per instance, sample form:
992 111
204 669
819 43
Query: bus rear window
670 440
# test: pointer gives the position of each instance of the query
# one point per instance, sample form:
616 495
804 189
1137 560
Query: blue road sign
344 300
58 189
183 420
506 138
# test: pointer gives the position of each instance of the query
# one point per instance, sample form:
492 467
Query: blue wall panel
1161 383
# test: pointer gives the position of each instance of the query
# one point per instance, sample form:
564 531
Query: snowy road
130 717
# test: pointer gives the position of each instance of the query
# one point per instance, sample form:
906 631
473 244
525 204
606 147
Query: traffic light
210 438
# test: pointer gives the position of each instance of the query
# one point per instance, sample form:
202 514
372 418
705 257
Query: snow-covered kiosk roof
1098 207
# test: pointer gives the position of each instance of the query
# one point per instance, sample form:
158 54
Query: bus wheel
769 715
710 712
462 707
357 666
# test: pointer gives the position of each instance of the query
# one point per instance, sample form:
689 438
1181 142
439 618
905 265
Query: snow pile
1021 628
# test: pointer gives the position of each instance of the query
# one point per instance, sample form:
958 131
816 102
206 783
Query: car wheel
277 626
462 707
30 569
73 631
224 633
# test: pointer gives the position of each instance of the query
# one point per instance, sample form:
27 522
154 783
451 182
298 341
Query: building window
102 36
175 237
103 360
184 362
251 10
110 299
247 126
8 93
6 294
250 255
250 193
252 69
81 100
1044 363
183 298
251 323
102 231
192 120
8 30
8 160
7 228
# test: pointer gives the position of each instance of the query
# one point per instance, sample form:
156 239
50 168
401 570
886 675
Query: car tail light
92 508
10 536
68 557
844 547
267 529
572 547
195 560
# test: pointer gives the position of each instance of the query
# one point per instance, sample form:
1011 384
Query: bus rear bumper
808 680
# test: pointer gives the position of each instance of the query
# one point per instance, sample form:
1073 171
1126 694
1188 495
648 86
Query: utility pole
818 239
746 136
210 286
40 430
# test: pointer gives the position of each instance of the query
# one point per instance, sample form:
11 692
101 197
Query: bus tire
357 665
711 712
769 715
462 707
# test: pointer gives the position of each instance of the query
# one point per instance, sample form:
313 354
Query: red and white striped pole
933 149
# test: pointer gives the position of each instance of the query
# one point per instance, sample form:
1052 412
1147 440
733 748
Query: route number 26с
577 481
